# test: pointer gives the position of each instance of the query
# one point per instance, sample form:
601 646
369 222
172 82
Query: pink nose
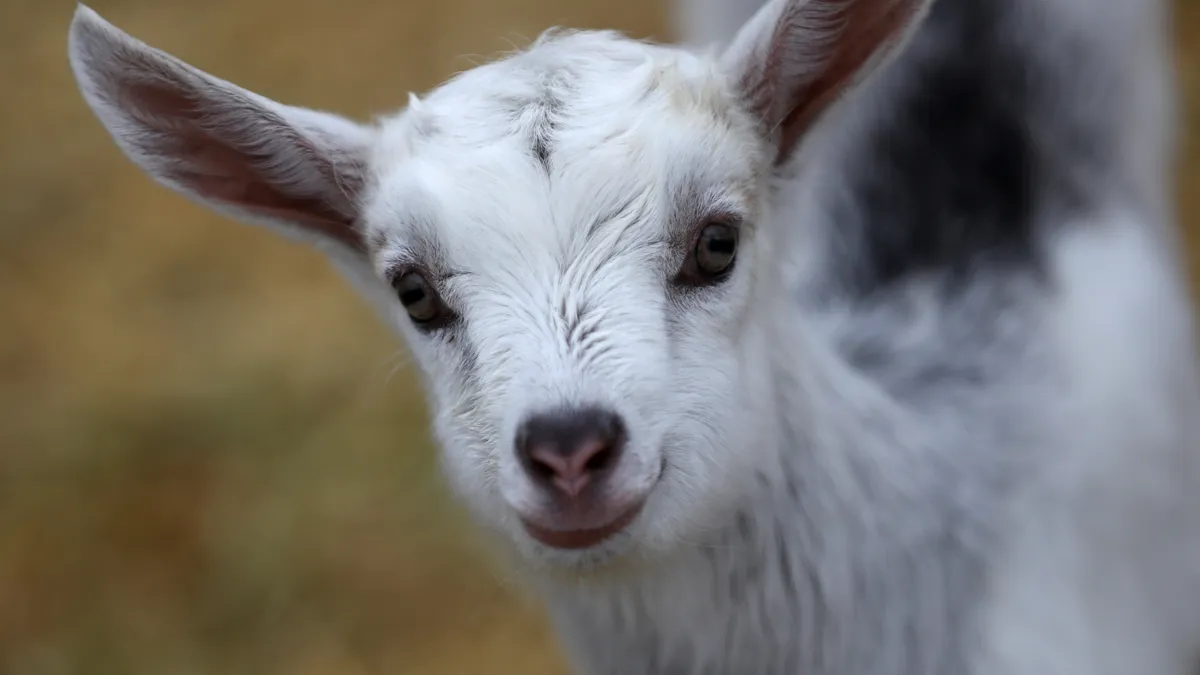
568 450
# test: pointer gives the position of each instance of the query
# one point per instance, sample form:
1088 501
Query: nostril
567 448
540 469
600 460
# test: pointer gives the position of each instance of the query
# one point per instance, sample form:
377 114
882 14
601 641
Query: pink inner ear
868 25
223 174
229 169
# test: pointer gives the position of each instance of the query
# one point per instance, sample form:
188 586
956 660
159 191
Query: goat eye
418 298
716 249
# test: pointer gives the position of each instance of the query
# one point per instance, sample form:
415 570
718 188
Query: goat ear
298 170
794 58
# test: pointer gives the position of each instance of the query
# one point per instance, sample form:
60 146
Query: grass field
211 457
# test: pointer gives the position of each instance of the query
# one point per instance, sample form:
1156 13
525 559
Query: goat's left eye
716 248
712 257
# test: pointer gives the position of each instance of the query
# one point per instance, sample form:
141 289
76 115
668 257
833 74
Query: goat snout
567 450
568 454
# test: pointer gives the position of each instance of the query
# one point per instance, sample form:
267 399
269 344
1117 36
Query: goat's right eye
421 302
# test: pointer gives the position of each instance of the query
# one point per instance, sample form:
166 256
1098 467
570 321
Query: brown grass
205 466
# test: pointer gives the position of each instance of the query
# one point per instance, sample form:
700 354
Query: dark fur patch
541 148
545 113
976 152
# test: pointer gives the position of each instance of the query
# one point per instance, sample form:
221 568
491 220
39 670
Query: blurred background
212 456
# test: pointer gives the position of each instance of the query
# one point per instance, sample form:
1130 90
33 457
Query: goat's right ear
298 170
794 58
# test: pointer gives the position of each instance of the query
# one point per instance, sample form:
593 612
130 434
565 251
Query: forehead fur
580 128
563 76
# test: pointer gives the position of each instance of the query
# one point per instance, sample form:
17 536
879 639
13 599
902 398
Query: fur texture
940 419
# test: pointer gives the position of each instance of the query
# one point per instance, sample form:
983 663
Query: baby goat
858 347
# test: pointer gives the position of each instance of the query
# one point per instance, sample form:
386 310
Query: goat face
571 239
574 233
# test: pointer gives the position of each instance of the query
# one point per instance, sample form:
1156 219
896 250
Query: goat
854 341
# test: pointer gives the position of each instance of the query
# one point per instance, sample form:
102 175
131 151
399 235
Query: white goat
859 347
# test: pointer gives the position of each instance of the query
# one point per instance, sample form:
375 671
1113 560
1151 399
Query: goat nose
567 449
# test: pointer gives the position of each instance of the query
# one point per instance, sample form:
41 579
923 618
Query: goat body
858 346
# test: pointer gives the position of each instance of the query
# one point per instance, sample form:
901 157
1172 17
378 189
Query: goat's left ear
795 58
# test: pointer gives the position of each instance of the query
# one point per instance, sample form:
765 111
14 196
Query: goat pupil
720 246
412 296
718 243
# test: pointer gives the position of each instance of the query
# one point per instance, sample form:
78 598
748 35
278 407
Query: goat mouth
581 539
